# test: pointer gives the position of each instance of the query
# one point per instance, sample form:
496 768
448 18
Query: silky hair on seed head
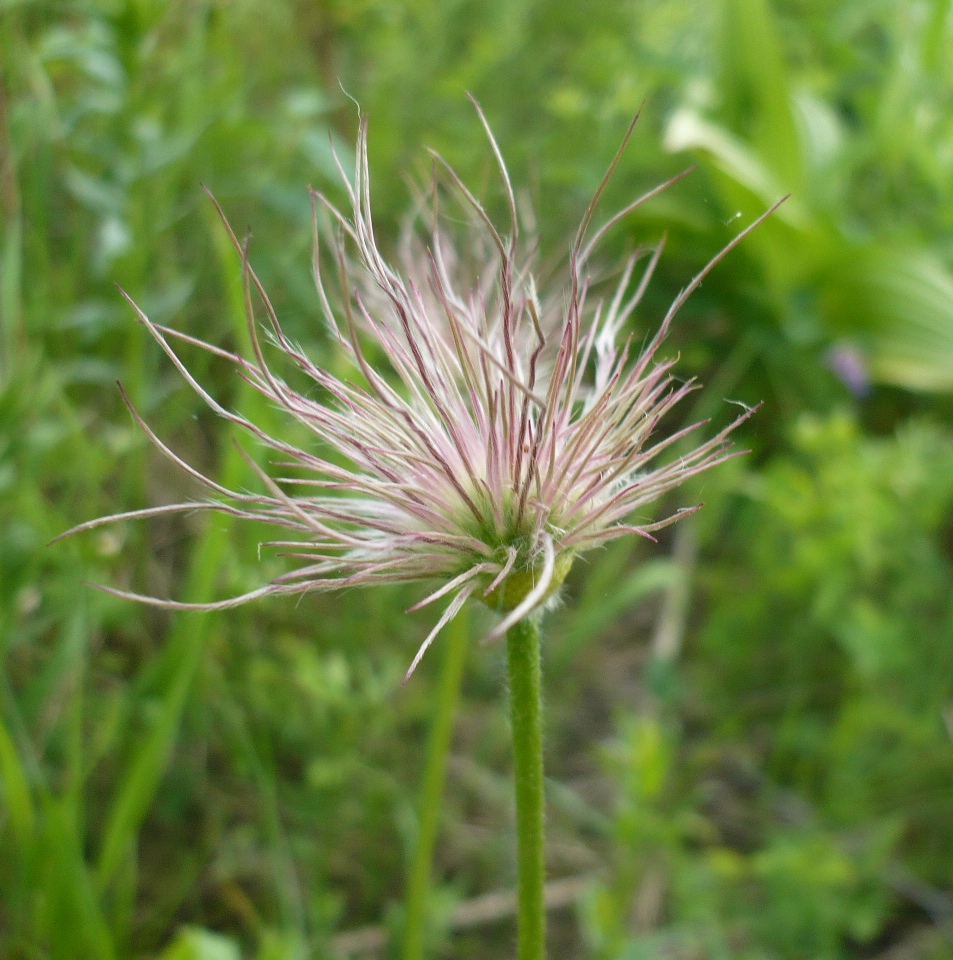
515 429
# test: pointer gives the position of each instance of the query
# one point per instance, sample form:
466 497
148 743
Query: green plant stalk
431 799
526 712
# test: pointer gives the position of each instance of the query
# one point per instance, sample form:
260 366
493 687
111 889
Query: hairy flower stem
526 712
431 799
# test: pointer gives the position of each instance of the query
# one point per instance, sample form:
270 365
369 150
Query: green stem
431 800
526 711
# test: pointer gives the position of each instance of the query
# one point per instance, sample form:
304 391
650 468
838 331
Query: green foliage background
750 725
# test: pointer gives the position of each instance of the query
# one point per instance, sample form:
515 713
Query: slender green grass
430 811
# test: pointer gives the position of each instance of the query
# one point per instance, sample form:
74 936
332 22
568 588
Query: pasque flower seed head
514 430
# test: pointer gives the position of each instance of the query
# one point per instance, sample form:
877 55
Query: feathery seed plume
521 434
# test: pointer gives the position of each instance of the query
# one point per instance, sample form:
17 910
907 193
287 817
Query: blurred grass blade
11 269
75 926
17 799
140 781
756 98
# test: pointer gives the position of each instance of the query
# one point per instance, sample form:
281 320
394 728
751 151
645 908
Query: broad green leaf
689 131
899 305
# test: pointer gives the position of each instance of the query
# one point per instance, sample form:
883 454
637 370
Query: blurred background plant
750 726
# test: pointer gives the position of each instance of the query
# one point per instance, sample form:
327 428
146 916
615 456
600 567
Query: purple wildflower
850 364
522 433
